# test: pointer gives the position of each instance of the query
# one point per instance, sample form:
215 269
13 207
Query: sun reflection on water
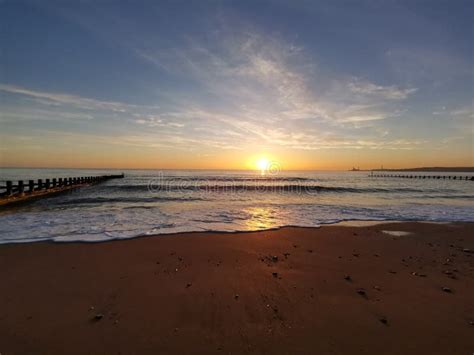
261 218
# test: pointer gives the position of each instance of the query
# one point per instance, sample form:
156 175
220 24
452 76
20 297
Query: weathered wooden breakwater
433 177
33 189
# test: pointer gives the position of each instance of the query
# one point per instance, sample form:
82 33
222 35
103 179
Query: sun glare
262 164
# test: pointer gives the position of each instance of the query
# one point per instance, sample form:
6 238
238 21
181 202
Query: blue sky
314 84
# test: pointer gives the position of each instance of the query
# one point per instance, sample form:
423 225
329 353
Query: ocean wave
233 178
101 200
258 187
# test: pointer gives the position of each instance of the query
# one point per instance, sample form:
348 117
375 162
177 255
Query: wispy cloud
49 98
387 92
258 82
254 90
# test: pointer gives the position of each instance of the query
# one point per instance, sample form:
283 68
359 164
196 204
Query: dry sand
333 290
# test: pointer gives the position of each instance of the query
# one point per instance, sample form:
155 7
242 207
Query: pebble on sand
447 289
98 316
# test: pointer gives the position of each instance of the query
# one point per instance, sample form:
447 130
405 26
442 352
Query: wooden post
40 184
54 182
60 182
21 187
9 188
47 184
70 181
31 186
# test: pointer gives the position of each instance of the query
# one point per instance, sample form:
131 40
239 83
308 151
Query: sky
220 84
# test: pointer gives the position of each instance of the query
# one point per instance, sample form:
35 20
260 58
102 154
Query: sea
157 202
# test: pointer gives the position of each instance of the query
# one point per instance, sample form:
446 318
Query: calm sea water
148 202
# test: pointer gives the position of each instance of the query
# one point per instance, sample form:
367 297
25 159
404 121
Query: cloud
387 92
248 89
262 79
463 112
16 114
49 98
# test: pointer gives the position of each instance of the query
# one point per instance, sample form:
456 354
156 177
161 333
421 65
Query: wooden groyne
413 176
33 189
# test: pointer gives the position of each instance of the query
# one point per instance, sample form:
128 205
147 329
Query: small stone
236 296
274 258
348 278
471 322
356 255
98 316
447 272
91 308
361 292
447 289
275 274
188 285
466 250
383 320
310 250
377 288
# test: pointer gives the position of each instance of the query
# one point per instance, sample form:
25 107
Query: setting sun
262 164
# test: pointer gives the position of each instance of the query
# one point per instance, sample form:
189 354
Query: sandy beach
331 290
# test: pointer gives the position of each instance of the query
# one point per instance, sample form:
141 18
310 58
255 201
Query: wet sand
332 290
